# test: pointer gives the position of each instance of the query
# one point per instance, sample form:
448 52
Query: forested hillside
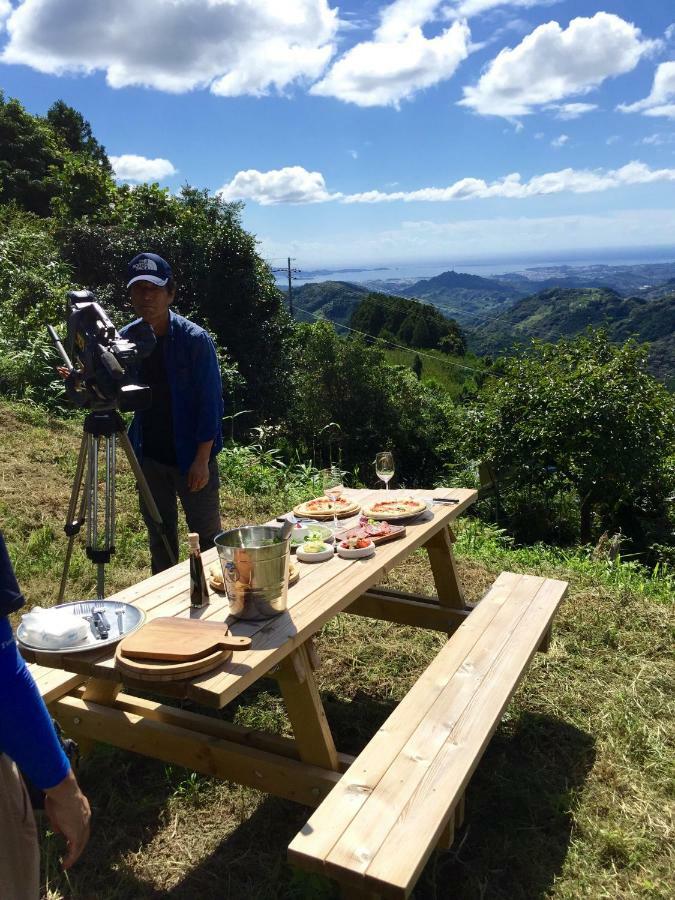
467 298
332 300
407 322
557 312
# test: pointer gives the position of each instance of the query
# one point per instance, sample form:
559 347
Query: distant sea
411 270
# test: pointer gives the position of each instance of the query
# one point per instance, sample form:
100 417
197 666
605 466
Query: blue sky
377 132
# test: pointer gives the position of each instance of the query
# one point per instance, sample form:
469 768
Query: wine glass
332 488
384 466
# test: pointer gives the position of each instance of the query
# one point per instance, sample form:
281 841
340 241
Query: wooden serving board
158 671
397 532
180 640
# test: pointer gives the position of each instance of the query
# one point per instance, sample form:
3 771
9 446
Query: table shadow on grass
520 807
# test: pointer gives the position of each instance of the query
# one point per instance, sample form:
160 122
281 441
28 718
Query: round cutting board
157 670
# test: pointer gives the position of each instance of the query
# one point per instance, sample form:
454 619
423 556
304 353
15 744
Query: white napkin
53 628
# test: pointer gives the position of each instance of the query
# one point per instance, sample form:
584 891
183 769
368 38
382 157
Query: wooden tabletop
323 591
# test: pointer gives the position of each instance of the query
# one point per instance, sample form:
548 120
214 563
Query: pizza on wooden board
324 508
395 508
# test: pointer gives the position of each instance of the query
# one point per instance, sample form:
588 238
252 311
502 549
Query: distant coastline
532 267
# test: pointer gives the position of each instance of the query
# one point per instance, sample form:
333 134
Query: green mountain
469 299
332 300
407 322
558 312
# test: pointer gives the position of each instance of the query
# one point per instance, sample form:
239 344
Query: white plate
314 557
133 618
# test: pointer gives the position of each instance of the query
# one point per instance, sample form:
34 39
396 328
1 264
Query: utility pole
290 289
290 272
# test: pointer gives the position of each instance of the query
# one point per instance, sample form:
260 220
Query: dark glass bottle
199 593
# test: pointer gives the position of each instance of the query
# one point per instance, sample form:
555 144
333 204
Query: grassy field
574 797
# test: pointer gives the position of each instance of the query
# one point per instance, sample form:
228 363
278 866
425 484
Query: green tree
29 158
75 132
585 413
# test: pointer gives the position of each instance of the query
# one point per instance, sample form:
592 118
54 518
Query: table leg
305 710
98 690
444 569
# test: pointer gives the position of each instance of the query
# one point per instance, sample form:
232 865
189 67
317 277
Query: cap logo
145 265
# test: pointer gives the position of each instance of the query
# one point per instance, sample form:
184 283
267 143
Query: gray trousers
201 508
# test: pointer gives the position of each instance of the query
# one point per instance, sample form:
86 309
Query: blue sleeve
26 732
11 597
209 390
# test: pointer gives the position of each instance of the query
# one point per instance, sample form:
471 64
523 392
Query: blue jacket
196 391
26 732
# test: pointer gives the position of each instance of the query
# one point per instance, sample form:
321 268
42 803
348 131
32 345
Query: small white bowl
357 552
322 556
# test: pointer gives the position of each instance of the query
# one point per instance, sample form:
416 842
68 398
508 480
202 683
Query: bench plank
379 825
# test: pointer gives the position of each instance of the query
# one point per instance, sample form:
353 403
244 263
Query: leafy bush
584 415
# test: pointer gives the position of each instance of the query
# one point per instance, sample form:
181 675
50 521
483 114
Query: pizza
325 508
396 508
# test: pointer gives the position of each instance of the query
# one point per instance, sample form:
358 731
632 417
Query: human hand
198 474
69 814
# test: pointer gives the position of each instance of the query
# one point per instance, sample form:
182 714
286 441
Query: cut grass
573 798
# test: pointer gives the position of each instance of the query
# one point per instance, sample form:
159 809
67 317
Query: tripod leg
73 524
146 493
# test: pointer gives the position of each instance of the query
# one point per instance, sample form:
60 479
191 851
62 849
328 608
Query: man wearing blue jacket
177 439
28 740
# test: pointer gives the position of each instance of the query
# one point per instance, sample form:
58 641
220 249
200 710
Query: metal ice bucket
255 562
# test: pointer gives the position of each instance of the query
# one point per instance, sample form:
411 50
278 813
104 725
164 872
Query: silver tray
132 619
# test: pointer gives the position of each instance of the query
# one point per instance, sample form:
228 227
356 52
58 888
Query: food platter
322 508
395 509
379 532
122 619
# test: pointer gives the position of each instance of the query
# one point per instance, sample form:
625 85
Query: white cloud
658 140
130 167
231 46
465 8
661 100
560 141
292 184
573 110
399 61
353 153
553 63
5 10
613 139
670 32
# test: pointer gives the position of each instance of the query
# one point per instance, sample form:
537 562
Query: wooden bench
401 796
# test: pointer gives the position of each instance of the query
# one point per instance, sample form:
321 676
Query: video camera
106 374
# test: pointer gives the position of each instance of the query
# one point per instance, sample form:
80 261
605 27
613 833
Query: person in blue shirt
28 741
177 439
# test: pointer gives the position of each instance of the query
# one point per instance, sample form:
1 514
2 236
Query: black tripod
104 426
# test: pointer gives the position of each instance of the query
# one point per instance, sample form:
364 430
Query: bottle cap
193 539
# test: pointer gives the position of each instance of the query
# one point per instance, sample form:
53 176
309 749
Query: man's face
151 302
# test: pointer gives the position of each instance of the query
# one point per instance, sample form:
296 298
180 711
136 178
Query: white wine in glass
384 466
332 488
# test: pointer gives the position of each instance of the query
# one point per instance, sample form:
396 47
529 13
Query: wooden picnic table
98 706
